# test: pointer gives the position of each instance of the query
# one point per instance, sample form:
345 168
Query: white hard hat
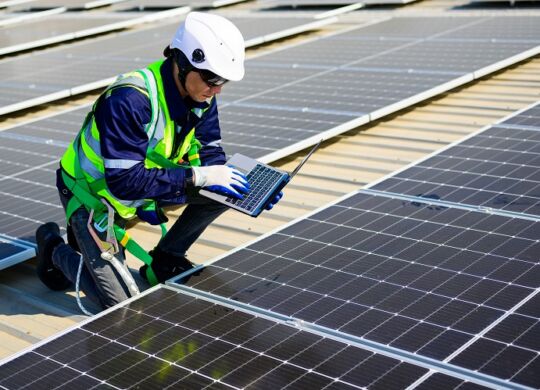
212 42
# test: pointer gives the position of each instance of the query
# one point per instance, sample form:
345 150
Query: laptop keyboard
260 179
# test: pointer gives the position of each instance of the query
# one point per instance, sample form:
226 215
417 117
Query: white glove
221 179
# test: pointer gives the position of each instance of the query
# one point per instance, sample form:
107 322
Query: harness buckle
106 223
101 226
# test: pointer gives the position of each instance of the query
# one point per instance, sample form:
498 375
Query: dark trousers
99 280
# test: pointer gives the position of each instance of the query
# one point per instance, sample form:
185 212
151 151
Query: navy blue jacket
121 119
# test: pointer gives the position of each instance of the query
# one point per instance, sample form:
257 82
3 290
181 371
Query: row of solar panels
286 102
378 290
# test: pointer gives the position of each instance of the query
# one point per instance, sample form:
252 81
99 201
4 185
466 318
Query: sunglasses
211 79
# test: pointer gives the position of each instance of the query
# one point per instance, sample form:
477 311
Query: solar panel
428 280
12 253
498 168
166 338
39 33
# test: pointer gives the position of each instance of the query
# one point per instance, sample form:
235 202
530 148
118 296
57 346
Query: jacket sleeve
121 120
208 132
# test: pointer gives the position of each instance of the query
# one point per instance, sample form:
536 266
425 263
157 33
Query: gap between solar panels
9 19
141 5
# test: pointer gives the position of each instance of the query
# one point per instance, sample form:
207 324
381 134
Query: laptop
265 183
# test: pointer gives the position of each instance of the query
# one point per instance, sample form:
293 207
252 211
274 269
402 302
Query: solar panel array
166 338
436 280
410 283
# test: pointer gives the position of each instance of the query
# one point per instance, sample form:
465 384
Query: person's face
198 89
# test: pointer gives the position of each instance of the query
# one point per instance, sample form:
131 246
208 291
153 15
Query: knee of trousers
109 284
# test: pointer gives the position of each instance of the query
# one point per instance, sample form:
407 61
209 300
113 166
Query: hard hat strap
184 66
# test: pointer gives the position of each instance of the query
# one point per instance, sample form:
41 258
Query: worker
151 139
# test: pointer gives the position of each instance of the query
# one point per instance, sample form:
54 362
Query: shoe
47 238
165 265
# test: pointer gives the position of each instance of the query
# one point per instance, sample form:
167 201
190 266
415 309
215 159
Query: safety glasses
211 79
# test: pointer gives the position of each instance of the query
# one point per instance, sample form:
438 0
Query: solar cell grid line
167 338
496 169
417 277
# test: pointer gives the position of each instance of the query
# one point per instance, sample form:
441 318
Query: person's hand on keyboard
221 179
274 201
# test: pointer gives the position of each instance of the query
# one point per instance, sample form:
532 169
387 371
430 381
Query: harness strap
138 251
82 197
